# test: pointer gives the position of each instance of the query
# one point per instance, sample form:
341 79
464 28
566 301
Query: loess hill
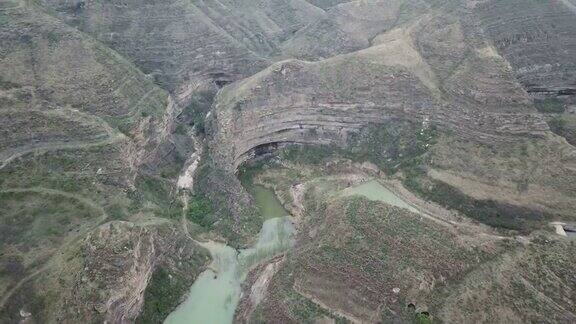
469 106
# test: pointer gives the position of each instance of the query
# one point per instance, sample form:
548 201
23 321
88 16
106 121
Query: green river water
216 292
373 190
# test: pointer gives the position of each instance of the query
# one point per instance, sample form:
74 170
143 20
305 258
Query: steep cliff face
321 107
297 101
537 39
103 276
403 73
440 69
98 101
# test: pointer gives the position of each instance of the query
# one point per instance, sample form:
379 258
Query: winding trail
419 204
298 289
186 179
74 239
49 191
114 136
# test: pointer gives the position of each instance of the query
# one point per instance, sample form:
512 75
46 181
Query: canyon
133 132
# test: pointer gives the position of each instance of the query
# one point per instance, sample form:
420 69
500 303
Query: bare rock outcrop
320 102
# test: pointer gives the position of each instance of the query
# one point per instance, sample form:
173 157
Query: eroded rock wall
320 102
537 38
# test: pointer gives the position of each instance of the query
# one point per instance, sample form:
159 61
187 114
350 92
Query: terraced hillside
82 129
535 38
358 259
126 128
189 46
471 93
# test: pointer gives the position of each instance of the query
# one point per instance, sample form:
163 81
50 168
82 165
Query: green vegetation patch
36 218
490 212
422 318
163 294
236 218
550 105
195 113
156 195
393 146
307 154
564 125
201 211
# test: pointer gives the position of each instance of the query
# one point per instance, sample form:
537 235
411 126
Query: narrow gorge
287 161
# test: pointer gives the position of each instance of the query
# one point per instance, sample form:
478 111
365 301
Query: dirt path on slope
113 136
74 239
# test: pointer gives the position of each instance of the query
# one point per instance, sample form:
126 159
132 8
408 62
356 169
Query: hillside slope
126 128
82 130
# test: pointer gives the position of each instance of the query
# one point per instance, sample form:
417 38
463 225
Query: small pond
373 190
